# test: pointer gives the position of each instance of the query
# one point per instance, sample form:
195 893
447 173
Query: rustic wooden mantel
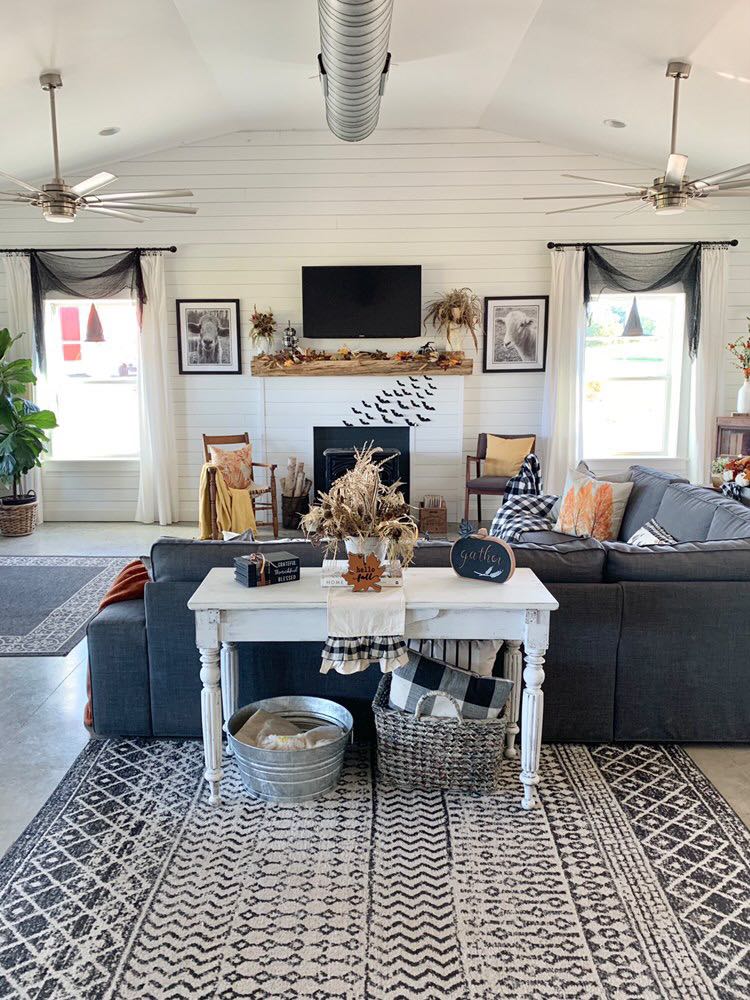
262 367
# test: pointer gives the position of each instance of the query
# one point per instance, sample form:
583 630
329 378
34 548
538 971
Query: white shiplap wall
270 202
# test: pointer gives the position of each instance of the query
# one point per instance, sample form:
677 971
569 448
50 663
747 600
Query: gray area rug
46 602
630 881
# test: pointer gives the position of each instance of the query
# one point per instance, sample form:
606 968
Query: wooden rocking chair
268 491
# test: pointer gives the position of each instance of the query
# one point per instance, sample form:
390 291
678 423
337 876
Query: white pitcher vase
743 397
365 546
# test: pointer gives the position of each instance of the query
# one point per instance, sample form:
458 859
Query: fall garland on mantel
428 355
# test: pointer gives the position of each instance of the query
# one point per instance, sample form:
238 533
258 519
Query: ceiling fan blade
26 199
93 183
737 193
580 208
139 195
733 185
676 167
724 175
23 184
177 209
548 197
638 207
112 211
596 180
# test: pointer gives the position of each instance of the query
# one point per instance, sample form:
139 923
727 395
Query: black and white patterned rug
631 882
47 601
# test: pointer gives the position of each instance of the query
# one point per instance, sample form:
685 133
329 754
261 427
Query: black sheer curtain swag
84 277
607 269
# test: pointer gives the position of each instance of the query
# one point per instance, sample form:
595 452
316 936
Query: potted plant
262 330
456 311
360 510
22 440
740 351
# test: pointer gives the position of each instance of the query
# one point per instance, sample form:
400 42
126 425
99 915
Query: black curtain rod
648 243
87 249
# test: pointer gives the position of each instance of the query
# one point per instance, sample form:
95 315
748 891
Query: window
633 375
92 357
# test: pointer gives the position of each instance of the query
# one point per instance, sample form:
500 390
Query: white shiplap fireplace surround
270 202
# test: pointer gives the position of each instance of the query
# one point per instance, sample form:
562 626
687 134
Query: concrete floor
42 698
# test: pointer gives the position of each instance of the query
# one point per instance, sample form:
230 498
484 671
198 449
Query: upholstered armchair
263 499
479 484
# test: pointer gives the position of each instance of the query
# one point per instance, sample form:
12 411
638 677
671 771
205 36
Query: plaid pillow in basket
477 697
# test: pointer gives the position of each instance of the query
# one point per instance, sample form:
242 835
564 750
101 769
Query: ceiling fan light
58 213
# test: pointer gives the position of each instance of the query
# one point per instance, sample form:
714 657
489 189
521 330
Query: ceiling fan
60 202
672 192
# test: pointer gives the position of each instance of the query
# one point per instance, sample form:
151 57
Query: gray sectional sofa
648 644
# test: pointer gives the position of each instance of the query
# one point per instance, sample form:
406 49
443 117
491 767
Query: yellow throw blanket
234 508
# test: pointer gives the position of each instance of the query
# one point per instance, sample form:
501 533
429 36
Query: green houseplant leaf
22 423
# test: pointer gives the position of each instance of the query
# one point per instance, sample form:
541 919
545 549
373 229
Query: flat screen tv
350 302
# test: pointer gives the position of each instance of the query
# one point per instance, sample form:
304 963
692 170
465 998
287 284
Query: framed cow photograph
515 333
208 336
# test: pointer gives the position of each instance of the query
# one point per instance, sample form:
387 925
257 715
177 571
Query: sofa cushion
731 520
542 537
687 561
579 560
592 507
686 511
649 487
183 560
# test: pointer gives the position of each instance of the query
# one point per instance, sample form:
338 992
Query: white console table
439 605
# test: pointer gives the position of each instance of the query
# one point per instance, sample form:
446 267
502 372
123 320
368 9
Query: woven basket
18 518
416 752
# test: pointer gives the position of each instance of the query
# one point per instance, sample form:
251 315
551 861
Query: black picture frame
232 307
494 367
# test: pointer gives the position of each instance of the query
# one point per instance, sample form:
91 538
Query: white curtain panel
21 320
560 438
157 488
708 368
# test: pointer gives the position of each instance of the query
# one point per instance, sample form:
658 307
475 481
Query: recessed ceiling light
614 123
112 130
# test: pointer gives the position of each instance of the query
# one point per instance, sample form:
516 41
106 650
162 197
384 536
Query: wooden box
433 519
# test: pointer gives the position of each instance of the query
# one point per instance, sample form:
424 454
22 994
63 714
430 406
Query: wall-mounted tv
371 301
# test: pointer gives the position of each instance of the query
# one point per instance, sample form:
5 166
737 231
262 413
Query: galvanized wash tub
292 775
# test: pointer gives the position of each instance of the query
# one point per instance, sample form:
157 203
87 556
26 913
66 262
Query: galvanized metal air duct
353 63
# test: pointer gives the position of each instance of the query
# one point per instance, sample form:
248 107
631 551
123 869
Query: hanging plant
263 329
458 309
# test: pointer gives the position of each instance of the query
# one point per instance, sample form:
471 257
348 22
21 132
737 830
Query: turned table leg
229 684
532 715
211 720
512 666
536 638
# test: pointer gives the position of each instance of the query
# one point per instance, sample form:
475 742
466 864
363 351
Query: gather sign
481 557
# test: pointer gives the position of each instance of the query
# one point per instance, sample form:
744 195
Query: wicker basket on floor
19 518
429 752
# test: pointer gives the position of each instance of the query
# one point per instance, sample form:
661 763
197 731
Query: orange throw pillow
236 467
592 508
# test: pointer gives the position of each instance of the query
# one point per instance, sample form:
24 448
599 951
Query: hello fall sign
481 557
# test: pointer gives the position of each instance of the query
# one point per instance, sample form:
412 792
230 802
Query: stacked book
332 573
259 570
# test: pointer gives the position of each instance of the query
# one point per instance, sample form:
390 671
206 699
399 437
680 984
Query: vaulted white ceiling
170 71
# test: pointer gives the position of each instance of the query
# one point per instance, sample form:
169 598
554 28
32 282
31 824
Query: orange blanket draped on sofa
128 585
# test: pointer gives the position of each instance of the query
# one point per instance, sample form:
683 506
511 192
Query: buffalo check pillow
477 697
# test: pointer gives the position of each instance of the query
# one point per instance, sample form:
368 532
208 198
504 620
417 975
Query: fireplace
340 442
